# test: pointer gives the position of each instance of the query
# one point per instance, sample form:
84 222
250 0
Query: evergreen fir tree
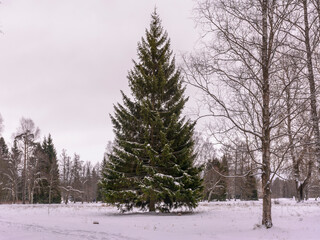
76 184
87 182
37 171
48 191
4 152
13 171
225 171
95 181
151 165
4 157
251 192
100 188
53 173
215 184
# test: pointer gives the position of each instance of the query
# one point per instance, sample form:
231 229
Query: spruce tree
251 192
215 184
4 157
4 152
52 171
152 163
100 187
76 184
48 191
13 171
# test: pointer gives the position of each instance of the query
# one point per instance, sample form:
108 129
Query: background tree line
229 174
31 171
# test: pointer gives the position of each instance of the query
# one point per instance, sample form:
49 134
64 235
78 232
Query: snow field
215 220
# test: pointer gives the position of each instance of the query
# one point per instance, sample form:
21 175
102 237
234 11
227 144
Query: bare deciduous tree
26 135
66 177
243 43
304 39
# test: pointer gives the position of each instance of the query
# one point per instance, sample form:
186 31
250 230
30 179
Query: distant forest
32 169
32 172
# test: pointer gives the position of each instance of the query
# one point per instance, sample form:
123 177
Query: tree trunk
66 198
235 174
266 215
312 85
31 195
50 195
300 189
13 195
16 198
295 161
152 205
24 177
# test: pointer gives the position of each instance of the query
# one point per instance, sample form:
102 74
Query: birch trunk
24 175
311 79
266 216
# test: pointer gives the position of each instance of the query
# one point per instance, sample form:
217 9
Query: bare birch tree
66 176
304 39
297 127
242 44
26 135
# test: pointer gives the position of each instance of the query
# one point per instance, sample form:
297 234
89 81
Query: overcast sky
64 62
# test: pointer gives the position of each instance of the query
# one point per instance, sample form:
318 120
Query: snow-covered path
226 220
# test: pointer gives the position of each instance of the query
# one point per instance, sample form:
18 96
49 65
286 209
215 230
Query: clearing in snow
214 220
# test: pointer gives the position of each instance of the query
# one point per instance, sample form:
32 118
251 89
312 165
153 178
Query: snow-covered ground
220 220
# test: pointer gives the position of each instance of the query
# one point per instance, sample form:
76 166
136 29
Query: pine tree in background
100 188
152 164
215 184
4 152
225 171
48 189
4 158
76 184
37 187
95 180
251 192
13 171
52 171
